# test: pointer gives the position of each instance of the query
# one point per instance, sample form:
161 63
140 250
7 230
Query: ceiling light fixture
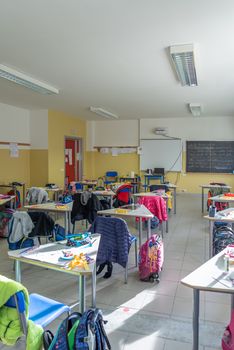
103 113
26 81
195 109
183 59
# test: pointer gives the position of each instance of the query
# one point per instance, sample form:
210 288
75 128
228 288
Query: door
73 160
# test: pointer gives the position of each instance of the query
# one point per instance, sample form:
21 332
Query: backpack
24 242
154 222
5 217
17 198
228 336
222 237
151 259
79 332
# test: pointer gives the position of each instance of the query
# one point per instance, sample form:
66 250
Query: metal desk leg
149 229
69 221
111 201
82 293
211 224
17 271
174 200
140 231
94 287
232 303
23 194
196 298
202 198
167 216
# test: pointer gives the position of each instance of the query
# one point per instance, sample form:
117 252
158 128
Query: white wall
39 129
112 133
14 124
193 128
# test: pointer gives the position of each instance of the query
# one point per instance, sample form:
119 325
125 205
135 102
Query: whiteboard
161 153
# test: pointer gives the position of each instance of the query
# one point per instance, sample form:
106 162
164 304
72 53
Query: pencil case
79 239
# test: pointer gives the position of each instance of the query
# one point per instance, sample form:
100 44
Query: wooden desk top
4 201
226 215
50 207
211 276
133 210
215 186
222 198
47 256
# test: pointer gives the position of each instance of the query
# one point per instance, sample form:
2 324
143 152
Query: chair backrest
17 301
36 195
158 187
111 176
115 239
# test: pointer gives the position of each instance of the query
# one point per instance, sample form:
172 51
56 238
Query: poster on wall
14 150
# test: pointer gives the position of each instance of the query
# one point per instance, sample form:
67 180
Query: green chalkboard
210 156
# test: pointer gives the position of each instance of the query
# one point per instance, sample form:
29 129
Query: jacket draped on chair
115 240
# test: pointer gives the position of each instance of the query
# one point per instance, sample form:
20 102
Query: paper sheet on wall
114 151
70 156
14 150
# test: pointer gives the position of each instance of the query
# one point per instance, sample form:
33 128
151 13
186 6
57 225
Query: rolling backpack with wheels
151 259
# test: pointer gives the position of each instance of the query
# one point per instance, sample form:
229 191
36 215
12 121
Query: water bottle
212 211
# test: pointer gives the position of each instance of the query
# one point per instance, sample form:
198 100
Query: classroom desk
53 207
52 263
222 199
203 187
134 181
132 210
226 215
110 194
14 188
4 201
149 177
154 194
54 191
208 277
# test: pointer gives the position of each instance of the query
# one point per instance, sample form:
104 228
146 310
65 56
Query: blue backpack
79 332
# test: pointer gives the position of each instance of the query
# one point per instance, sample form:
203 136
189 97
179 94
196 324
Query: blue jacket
115 240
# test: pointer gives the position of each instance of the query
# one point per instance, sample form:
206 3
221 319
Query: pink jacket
156 206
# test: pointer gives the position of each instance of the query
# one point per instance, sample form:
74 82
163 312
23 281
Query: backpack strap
47 339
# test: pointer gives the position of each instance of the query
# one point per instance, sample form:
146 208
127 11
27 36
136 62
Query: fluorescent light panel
103 113
183 60
195 109
26 81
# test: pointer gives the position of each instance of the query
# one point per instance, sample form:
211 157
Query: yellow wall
14 169
123 163
38 167
60 125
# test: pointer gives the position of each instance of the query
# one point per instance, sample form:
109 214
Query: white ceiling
113 54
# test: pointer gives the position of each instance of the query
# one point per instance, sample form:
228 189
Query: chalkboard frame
217 157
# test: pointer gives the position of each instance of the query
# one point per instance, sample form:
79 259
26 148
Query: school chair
110 177
115 243
37 309
42 310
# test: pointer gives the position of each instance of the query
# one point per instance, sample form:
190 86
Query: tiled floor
140 314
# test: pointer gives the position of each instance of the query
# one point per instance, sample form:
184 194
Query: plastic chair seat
44 310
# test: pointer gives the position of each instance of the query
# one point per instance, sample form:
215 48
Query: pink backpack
228 336
151 259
